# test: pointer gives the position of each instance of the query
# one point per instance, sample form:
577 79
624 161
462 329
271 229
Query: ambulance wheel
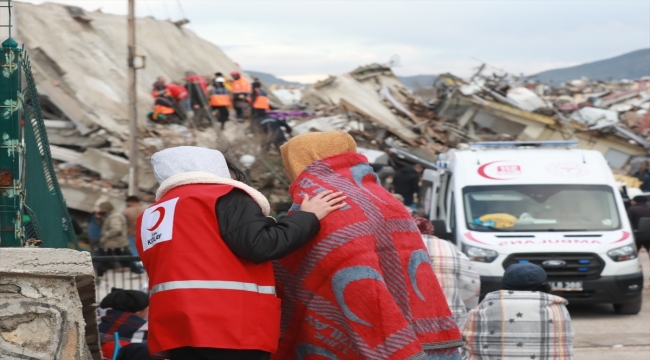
628 309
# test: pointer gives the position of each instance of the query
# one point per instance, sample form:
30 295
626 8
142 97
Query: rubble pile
373 105
612 117
82 85
83 95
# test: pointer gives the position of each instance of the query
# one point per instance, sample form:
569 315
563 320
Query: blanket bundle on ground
519 325
363 288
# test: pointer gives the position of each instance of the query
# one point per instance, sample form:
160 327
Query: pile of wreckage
612 118
83 93
373 105
82 83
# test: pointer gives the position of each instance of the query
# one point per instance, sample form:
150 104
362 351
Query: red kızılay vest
202 295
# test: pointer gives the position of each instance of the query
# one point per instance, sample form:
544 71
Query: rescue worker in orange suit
164 111
241 90
260 101
220 100
208 245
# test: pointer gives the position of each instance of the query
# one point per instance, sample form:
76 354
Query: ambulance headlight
479 254
627 252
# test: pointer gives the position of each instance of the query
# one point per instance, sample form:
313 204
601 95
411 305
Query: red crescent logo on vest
161 210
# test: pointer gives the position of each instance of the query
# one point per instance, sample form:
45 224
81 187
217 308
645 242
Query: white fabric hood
183 159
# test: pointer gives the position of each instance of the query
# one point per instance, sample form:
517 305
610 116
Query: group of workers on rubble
175 103
348 274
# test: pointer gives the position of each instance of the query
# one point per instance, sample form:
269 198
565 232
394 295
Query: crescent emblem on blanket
417 258
359 172
343 278
305 349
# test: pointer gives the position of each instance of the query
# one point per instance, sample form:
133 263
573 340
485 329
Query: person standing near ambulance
207 245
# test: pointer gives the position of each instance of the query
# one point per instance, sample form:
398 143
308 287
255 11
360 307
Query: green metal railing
47 210
11 146
31 202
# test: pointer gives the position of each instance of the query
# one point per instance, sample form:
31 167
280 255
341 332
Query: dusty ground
601 334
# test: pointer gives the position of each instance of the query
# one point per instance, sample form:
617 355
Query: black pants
188 353
222 114
239 110
259 114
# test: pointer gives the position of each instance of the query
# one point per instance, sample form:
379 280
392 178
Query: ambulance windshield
541 208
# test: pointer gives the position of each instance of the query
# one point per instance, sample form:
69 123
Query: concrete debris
525 99
288 97
83 95
65 155
48 305
328 123
595 118
81 79
608 117
360 93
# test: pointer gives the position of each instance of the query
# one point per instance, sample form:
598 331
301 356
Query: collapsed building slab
85 63
47 305
363 92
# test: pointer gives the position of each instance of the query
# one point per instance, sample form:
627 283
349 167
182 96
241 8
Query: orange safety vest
220 100
202 294
241 85
261 103
162 109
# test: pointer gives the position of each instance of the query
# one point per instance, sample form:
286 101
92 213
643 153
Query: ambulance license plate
566 285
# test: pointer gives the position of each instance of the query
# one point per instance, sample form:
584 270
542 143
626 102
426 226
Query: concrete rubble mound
81 80
83 92
371 103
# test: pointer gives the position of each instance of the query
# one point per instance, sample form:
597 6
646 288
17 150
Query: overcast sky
304 40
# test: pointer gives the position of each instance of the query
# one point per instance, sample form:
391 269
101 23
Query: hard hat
220 79
234 72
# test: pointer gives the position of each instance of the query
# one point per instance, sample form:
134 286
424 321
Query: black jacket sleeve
415 183
257 238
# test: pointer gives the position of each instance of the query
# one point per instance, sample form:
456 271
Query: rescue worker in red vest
241 90
207 245
197 88
260 101
220 100
179 94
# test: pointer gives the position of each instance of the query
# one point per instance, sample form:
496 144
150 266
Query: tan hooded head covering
302 150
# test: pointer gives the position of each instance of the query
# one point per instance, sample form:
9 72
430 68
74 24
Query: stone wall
47 305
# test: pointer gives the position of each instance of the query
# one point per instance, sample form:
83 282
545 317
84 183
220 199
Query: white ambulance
545 203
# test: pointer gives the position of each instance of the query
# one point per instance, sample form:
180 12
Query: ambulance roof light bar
522 144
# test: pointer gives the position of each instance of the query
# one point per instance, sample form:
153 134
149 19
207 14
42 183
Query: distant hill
423 81
269 79
633 65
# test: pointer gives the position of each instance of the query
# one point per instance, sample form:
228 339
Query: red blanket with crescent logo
363 288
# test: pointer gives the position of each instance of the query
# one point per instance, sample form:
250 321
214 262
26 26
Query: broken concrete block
65 155
87 199
109 166
47 305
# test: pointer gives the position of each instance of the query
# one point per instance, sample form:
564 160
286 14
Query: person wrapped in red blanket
363 287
